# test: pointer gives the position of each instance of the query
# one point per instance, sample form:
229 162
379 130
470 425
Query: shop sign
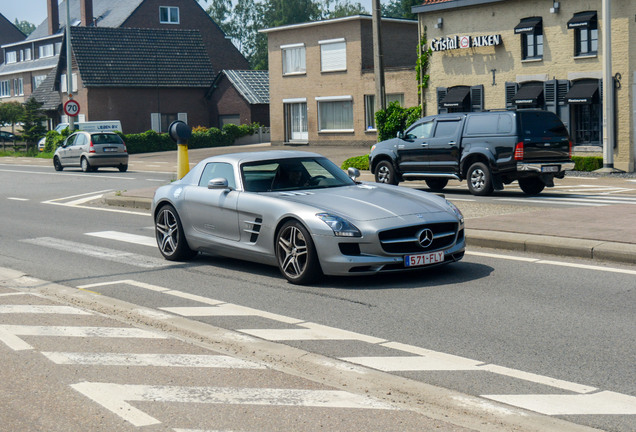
459 42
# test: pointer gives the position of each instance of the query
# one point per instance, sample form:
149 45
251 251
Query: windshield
292 174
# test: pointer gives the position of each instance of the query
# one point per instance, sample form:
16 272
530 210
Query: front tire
296 254
479 179
531 185
57 164
385 173
170 237
436 184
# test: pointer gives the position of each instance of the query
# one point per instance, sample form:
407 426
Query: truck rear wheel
479 179
531 185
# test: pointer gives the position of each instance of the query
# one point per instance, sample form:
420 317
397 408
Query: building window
37 80
168 15
294 61
27 54
11 57
531 31
5 90
335 114
64 83
45 51
333 55
585 26
369 107
18 86
295 111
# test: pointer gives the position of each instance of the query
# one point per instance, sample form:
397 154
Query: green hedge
360 162
587 163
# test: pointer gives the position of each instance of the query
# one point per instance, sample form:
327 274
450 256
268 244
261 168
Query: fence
262 135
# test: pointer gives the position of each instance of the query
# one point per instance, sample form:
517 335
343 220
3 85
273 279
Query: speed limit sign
71 108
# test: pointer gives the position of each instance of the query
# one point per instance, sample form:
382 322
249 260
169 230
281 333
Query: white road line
65 174
500 256
438 362
56 200
539 379
560 202
100 252
41 309
17 199
226 309
603 200
9 333
159 360
114 397
311 331
602 403
125 237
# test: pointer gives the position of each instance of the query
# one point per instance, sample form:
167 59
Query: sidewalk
602 233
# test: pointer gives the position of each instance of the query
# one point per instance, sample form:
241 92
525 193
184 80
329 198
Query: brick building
515 54
322 82
240 97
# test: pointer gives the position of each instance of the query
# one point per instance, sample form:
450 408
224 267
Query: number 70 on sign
71 108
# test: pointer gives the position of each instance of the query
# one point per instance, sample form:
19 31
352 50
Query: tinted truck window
542 124
482 125
446 128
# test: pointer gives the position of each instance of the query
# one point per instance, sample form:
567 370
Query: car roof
245 157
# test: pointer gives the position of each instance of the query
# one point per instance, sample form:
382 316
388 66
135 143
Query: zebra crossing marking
125 237
41 309
115 397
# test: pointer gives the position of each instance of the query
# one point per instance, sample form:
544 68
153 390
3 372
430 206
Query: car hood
369 201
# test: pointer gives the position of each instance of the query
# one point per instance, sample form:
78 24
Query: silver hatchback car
90 151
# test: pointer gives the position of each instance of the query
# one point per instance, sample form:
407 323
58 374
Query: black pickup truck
488 149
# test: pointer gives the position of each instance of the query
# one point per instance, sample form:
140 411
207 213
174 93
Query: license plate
550 168
110 149
423 259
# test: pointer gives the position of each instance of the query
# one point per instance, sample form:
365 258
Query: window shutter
155 122
441 94
477 98
563 86
511 91
333 56
183 117
550 96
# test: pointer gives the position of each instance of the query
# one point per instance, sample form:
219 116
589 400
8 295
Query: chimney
86 11
54 16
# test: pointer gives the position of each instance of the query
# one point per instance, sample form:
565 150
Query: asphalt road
515 329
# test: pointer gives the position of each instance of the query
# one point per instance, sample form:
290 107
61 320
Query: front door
412 151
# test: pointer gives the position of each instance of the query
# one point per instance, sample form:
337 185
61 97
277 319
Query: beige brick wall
473 66
354 82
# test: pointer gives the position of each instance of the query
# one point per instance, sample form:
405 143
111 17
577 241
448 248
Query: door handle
424 145
452 143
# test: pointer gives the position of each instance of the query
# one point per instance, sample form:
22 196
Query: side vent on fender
253 228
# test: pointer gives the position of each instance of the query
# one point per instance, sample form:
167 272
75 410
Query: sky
34 11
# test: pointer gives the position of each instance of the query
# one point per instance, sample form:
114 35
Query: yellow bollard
183 165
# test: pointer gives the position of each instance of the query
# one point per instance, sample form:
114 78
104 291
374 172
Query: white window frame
64 83
18 86
5 89
27 54
11 57
287 50
169 12
332 99
369 108
38 80
47 50
333 55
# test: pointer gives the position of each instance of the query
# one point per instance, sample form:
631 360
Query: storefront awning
528 25
582 93
455 97
582 19
528 94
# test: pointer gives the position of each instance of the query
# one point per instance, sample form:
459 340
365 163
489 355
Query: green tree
11 112
24 26
400 8
32 122
341 8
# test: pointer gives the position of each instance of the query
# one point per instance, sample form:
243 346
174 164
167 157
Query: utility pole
609 137
69 65
378 62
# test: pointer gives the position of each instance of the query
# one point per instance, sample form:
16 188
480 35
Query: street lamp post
69 65
609 137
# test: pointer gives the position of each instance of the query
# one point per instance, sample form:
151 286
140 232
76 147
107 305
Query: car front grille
407 239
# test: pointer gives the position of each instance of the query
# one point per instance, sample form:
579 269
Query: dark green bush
395 119
360 162
587 163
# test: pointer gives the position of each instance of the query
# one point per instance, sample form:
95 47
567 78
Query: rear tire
531 185
170 236
385 173
123 168
296 254
57 164
86 166
479 179
436 184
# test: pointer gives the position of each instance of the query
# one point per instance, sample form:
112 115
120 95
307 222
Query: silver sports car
299 211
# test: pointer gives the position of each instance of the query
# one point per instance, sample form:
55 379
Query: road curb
115 200
560 246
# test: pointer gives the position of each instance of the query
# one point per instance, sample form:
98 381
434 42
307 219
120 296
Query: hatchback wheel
170 237
123 168
57 164
385 173
86 166
479 179
296 254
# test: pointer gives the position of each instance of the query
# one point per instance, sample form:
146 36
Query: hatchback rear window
542 124
101 138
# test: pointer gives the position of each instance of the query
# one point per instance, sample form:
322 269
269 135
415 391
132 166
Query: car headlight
457 212
341 227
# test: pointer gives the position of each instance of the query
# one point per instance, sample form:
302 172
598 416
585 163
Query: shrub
587 163
360 162
395 119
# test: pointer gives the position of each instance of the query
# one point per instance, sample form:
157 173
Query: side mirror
400 135
353 173
219 183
